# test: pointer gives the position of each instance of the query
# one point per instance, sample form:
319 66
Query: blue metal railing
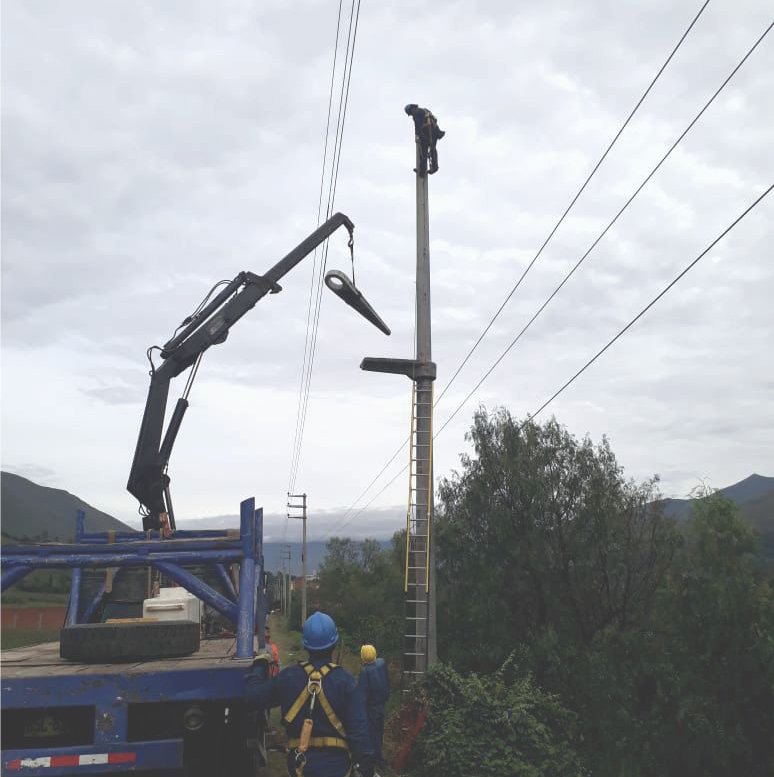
135 549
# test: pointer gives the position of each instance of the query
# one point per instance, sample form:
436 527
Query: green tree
716 621
361 587
540 530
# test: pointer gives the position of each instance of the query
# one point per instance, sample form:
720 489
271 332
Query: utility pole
302 517
281 587
420 651
287 576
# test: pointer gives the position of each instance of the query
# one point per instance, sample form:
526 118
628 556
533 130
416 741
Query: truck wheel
137 640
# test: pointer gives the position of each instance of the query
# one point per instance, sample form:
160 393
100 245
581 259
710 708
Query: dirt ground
290 650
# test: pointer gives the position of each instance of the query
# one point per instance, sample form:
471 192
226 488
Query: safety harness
313 692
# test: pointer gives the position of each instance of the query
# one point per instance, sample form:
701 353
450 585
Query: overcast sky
150 149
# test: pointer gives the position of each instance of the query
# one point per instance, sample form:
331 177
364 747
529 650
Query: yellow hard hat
368 654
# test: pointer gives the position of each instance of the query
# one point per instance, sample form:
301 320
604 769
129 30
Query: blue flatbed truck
182 715
186 713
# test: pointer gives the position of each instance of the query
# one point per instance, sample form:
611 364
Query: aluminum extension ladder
417 562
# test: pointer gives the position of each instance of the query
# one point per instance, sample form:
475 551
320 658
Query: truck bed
36 660
129 716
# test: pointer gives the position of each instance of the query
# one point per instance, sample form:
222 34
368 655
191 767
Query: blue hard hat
320 632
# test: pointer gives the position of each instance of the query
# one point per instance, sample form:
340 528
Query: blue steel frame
111 693
136 549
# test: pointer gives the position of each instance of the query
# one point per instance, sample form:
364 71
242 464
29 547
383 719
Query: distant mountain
756 489
752 489
754 496
32 512
274 552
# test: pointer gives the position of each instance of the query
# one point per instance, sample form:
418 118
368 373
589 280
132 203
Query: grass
13 639
17 598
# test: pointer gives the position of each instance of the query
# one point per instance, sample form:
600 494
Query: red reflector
15 764
64 760
122 758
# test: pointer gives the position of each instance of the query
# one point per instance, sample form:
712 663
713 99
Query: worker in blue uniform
374 682
322 708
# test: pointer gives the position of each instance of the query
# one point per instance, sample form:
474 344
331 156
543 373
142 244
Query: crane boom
148 479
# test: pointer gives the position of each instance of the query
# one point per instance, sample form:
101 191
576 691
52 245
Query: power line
572 271
544 244
314 257
301 381
653 301
311 341
344 98
604 231
604 348
572 202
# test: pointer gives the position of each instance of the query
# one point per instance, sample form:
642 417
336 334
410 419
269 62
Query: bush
500 725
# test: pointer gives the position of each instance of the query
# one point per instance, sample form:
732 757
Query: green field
16 597
12 638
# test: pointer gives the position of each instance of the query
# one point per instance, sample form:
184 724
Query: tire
103 643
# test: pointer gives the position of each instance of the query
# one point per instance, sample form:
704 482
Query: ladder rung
412 671
415 654
416 601
416 618
415 636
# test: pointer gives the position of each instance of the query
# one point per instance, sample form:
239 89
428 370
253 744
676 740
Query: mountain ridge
33 512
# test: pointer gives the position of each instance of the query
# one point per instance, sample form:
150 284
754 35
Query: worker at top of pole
322 708
427 134
374 682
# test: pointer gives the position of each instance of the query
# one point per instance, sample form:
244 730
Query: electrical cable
320 274
314 256
343 105
653 301
572 203
545 242
610 342
605 230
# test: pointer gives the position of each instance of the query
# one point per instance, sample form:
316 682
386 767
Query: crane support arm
148 480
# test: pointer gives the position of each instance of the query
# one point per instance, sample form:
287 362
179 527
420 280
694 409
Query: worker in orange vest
271 647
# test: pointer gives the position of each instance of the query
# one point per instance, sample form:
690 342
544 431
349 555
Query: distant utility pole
287 576
420 651
302 517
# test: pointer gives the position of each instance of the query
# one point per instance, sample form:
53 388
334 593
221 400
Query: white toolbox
173 604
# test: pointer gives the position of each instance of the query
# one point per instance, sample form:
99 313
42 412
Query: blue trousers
375 715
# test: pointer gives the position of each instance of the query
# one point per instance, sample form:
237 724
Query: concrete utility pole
420 651
302 517
287 576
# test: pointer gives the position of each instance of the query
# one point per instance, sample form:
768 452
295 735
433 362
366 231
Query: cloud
41 475
150 150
